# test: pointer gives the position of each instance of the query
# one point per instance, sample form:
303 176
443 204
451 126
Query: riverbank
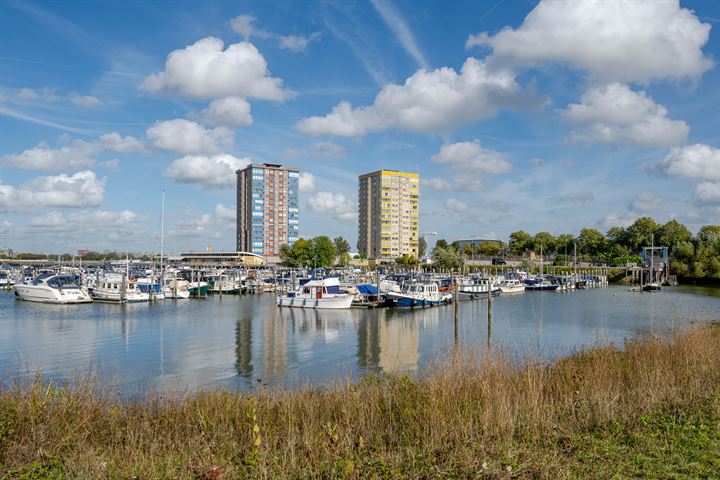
651 410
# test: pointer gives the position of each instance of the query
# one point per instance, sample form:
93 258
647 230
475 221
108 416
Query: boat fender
316 303
304 301
413 302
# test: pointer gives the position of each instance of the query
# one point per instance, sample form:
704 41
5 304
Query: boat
224 284
418 295
317 293
109 288
477 287
58 289
512 285
542 285
152 288
175 287
651 287
6 281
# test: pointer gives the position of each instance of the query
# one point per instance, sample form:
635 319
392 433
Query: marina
242 341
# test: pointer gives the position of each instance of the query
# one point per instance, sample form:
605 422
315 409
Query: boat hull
399 300
512 289
332 303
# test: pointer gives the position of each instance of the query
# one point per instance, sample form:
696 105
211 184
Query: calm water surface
237 341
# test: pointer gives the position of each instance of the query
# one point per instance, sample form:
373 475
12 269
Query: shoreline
650 409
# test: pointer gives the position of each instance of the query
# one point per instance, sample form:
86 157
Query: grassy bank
649 411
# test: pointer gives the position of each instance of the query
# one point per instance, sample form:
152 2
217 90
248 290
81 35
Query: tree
617 235
546 240
344 259
640 233
520 242
672 233
709 235
422 247
488 249
324 251
447 258
303 252
591 242
442 243
341 245
406 260
286 256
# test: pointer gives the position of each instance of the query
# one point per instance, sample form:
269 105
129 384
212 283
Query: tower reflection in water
389 341
272 343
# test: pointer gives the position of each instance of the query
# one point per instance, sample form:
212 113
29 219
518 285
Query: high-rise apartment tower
268 212
388 216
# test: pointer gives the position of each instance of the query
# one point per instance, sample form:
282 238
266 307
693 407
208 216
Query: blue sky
517 115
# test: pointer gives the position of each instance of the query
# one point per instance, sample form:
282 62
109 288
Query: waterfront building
268 209
388 222
219 259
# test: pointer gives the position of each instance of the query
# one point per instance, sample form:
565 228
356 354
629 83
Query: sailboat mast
162 232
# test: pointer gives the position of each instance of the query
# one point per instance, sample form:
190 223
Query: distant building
268 209
388 215
6 252
476 242
220 259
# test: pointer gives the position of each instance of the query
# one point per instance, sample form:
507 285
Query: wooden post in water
455 313
122 288
489 313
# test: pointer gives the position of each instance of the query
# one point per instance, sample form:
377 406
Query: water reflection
236 340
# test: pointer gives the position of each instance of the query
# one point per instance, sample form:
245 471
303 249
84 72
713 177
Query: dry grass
651 410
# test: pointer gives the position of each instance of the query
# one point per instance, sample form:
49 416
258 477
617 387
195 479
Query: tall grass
587 415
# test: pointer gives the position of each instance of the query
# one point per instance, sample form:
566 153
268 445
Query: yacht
318 293
58 289
512 285
418 295
541 285
109 288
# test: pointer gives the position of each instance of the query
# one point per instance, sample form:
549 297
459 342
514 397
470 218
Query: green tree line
692 256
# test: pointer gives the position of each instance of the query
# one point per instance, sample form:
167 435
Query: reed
648 410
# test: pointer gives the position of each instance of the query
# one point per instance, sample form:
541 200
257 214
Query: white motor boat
477 287
512 285
58 289
109 288
320 294
176 287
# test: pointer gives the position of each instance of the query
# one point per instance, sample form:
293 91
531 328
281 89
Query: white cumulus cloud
428 102
224 213
693 161
79 154
117 143
209 171
229 112
615 114
81 189
471 157
338 205
206 69
622 40
307 182
186 136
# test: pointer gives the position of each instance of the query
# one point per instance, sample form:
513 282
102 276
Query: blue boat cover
367 289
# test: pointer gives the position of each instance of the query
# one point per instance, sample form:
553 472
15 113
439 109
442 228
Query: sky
517 114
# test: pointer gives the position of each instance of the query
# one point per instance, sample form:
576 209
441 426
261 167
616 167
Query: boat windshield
63 281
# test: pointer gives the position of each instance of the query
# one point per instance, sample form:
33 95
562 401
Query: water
240 341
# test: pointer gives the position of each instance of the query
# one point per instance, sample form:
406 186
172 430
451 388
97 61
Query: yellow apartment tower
388 222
